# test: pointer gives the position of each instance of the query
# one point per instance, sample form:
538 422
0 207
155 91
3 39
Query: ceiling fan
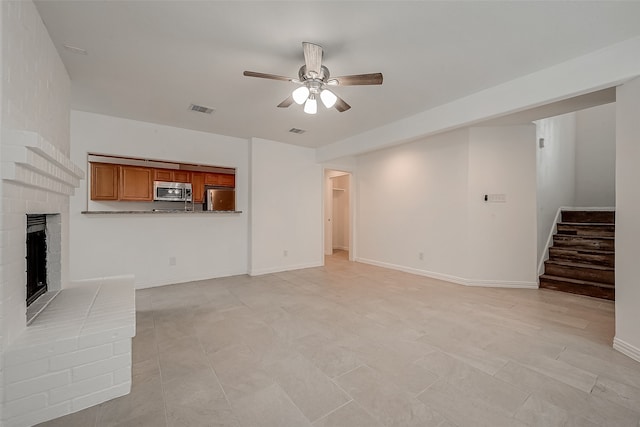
314 81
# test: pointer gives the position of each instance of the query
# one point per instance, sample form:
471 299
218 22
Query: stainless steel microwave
172 191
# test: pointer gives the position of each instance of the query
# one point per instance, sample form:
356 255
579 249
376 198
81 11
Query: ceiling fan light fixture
311 106
300 95
328 98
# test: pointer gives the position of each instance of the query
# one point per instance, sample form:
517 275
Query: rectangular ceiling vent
200 109
296 130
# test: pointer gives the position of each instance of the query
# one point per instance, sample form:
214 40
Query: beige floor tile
464 409
622 394
144 345
185 357
143 406
624 371
239 371
197 400
388 404
538 412
578 403
84 418
269 407
475 383
334 358
477 357
349 415
353 344
310 389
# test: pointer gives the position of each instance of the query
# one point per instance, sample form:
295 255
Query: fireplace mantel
30 160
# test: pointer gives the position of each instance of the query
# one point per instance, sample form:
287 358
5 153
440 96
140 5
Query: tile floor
354 345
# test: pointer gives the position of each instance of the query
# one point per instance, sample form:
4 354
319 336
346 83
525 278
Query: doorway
337 214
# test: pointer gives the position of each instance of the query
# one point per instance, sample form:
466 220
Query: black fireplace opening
36 257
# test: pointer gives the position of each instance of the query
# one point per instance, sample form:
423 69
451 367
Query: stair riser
558 254
577 242
587 230
589 216
591 291
581 273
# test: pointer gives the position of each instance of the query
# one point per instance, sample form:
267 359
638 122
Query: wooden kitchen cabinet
197 187
170 175
163 175
211 178
227 180
220 179
104 181
136 183
181 176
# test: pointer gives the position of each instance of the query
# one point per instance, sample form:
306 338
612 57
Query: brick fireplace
71 348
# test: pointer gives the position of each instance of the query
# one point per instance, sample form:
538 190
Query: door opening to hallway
337 214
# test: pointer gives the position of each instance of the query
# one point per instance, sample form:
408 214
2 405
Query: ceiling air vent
296 130
200 109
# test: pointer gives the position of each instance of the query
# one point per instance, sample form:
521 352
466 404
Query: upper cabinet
104 181
170 175
220 179
136 183
197 186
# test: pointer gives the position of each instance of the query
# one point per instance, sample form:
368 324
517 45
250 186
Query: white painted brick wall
77 353
50 373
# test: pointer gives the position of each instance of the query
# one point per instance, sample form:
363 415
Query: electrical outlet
172 260
285 253
421 256
496 198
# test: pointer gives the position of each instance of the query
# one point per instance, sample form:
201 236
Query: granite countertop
160 211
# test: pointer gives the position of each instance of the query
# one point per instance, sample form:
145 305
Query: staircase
581 260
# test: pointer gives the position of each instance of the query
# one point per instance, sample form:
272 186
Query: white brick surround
76 354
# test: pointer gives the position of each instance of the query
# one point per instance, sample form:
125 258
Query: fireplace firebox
36 257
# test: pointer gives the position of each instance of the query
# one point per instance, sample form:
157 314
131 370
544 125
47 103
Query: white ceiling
148 60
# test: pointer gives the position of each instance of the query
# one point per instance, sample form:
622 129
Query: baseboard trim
176 281
626 349
260 272
452 279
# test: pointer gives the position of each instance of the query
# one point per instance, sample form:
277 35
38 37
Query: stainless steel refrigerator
219 199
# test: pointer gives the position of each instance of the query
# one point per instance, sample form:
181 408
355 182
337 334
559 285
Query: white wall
425 200
501 236
286 207
555 170
627 337
205 245
595 160
412 199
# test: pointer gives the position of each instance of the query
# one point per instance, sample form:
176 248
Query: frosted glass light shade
328 98
311 106
300 95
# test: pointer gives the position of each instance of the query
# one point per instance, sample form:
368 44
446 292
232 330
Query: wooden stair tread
595 224
582 251
576 281
579 265
579 236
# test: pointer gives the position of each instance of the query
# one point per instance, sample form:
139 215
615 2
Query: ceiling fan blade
341 105
312 57
268 76
357 79
287 102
